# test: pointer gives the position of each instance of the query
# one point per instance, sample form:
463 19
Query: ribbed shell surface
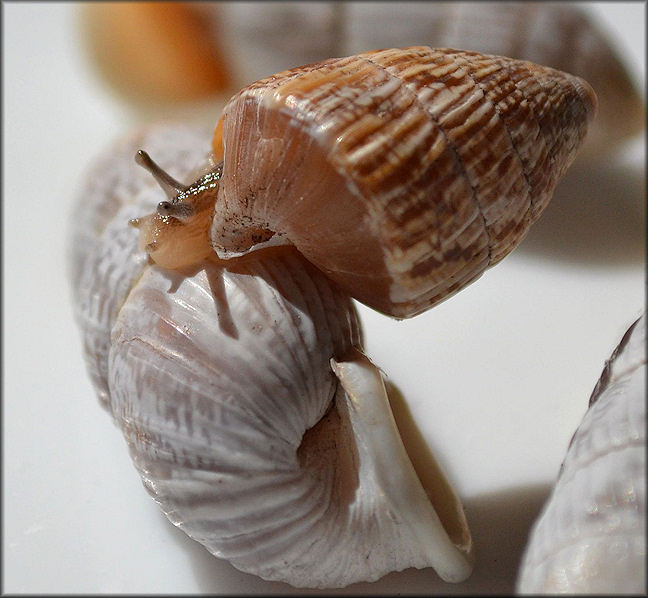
591 536
242 433
215 420
250 413
561 35
103 255
432 162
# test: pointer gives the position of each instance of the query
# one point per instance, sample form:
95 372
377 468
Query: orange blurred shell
155 52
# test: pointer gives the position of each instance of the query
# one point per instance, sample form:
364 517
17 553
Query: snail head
176 235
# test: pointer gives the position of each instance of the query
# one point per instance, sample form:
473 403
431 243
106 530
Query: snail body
402 174
591 535
250 411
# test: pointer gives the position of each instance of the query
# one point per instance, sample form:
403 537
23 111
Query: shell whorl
249 443
435 162
250 412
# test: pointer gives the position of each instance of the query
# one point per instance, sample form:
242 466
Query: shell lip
438 527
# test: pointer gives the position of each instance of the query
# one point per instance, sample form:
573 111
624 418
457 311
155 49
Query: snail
402 174
591 535
249 408
227 348
247 40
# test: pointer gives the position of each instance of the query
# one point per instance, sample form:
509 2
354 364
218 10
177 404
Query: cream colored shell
249 409
103 258
402 174
591 535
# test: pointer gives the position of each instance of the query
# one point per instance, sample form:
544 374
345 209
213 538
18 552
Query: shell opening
334 435
377 476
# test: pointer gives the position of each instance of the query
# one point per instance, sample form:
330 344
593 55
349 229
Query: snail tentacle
169 185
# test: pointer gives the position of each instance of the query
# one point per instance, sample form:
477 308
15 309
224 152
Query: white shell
234 432
591 536
102 251
250 412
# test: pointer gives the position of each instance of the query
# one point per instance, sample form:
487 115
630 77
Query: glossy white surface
498 376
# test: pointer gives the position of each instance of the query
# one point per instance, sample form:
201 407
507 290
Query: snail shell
402 174
591 535
251 414
143 49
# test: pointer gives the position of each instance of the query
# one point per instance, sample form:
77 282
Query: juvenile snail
591 535
240 384
402 174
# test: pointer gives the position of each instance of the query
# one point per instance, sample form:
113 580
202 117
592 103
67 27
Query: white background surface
498 377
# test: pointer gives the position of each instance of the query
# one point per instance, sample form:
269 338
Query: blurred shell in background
591 536
213 49
155 52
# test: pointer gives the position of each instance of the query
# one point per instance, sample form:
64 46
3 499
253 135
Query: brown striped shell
402 173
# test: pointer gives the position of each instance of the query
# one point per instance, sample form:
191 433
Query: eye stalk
176 235
169 185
